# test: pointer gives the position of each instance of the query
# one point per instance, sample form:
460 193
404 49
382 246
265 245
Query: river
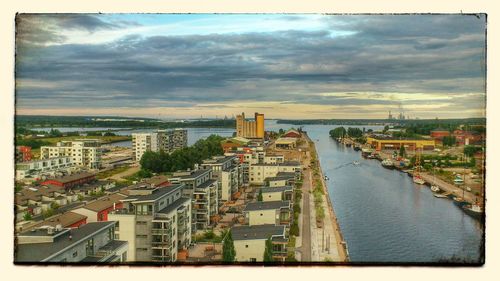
383 215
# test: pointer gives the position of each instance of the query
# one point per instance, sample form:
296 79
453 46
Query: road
306 218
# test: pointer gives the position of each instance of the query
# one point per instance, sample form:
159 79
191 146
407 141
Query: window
141 236
253 259
141 223
246 246
75 254
261 214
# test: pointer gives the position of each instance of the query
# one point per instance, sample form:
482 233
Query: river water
383 215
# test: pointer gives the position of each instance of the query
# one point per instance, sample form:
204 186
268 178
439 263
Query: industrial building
394 144
250 129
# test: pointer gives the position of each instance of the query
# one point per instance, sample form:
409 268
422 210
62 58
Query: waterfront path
306 218
447 187
326 242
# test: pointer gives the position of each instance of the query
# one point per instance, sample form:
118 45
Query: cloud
378 54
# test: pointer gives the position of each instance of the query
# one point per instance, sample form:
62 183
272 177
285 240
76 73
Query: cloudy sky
283 65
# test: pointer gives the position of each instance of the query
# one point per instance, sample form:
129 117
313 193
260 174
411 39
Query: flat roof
276 189
193 174
156 180
42 251
247 232
269 205
206 184
176 204
218 160
157 193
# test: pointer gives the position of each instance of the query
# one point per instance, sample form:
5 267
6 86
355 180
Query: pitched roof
276 189
64 220
104 203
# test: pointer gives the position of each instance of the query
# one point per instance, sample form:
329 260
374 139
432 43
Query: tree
268 252
338 132
228 251
449 141
27 216
386 128
259 197
470 150
402 151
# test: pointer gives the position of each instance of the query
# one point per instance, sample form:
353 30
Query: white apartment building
155 221
37 168
167 141
259 172
227 170
83 152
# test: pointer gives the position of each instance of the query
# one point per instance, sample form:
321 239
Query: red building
439 134
99 209
23 153
291 134
71 180
467 137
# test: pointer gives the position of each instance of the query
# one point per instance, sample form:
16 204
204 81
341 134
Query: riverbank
327 240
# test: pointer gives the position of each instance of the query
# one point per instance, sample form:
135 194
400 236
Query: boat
326 178
418 179
357 148
387 163
355 162
435 188
371 156
365 152
439 195
474 210
348 144
459 201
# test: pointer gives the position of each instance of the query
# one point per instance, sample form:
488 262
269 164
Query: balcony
162 244
161 231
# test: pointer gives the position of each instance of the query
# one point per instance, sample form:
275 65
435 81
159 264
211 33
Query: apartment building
270 212
259 172
83 152
99 209
227 170
89 243
250 129
203 191
44 167
277 193
166 140
250 242
155 221
281 179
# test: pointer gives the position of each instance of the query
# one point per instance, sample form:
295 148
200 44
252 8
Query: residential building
83 152
23 153
281 179
250 129
71 181
166 140
227 171
43 167
259 172
250 242
270 212
89 243
99 209
66 220
283 193
203 191
156 222
380 143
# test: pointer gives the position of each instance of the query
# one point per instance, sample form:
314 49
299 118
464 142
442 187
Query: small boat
458 180
326 178
435 188
459 201
474 211
387 163
418 179
439 195
371 156
348 144
357 148
355 162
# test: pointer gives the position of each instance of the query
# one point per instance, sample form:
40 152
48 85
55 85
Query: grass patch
112 172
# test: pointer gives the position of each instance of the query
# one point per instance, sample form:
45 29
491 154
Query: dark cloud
411 54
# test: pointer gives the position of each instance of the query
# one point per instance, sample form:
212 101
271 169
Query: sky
289 66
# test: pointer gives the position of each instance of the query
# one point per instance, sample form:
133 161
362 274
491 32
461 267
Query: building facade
394 144
250 242
228 172
155 221
37 168
84 152
92 243
250 129
259 172
166 140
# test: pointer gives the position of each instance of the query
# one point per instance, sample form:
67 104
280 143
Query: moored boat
435 188
418 179
387 163
439 195
474 211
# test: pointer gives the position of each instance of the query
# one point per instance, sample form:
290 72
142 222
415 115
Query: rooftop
73 177
104 203
156 193
185 175
218 160
157 180
269 205
247 232
64 220
37 252
176 204
276 189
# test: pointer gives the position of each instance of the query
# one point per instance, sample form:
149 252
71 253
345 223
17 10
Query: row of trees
184 158
340 132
